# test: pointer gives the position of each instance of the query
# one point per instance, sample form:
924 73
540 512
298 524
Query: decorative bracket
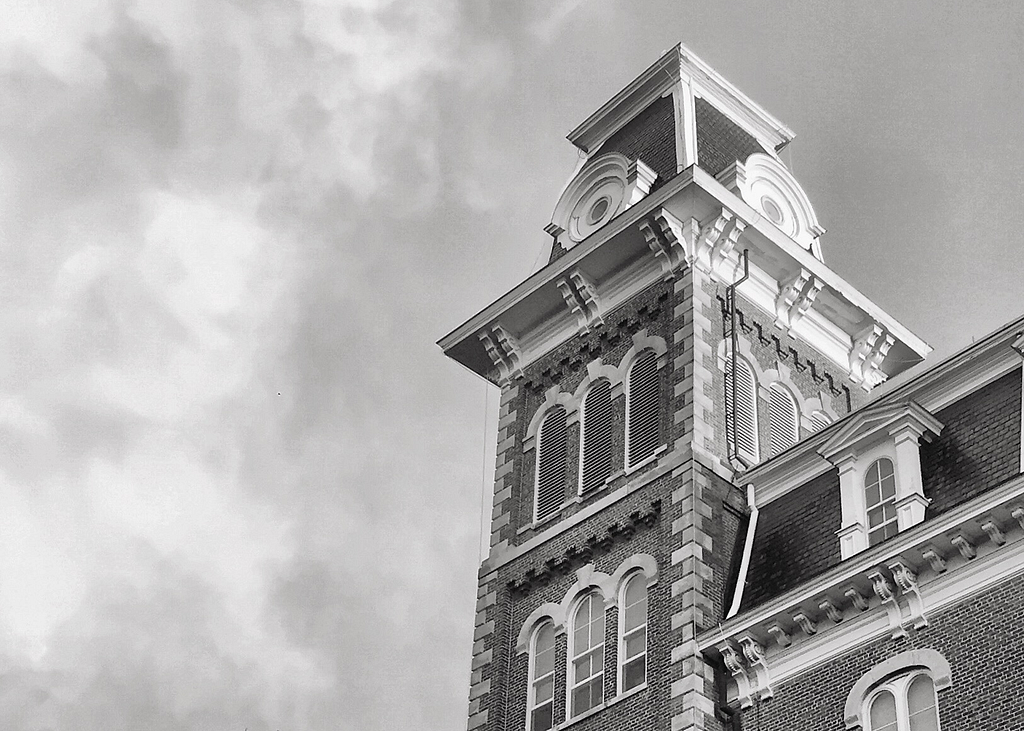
754 653
670 239
964 545
833 612
884 591
995 533
856 598
808 625
781 636
869 350
796 297
906 579
639 179
714 245
934 558
734 665
581 297
504 352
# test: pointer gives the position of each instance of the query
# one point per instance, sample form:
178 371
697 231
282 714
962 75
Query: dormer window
880 500
879 460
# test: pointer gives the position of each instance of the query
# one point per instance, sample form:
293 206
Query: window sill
600 707
647 460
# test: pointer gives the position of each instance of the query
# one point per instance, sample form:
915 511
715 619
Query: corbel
724 247
757 662
963 544
869 349
884 591
994 532
504 352
670 240
639 179
1018 515
857 599
782 637
906 580
831 610
808 625
734 665
580 296
711 234
796 297
937 561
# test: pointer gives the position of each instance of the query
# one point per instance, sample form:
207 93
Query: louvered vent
551 462
745 412
642 409
783 419
819 420
597 436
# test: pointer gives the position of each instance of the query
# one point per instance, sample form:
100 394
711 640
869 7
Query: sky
240 485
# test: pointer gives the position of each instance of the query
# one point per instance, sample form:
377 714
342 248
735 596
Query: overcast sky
240 486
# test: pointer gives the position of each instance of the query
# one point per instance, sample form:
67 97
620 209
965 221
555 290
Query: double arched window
642 412
904 703
880 500
552 454
596 436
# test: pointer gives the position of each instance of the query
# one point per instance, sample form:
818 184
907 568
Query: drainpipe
748 546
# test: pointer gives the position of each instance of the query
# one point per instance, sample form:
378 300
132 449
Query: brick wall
720 142
651 137
981 639
979 446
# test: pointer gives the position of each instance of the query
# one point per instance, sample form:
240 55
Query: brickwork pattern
651 137
795 539
979 446
720 142
982 640
566 367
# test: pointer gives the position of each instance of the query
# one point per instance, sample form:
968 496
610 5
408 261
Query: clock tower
685 329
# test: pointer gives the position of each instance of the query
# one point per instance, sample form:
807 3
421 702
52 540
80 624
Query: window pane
545 689
597 628
921 704
587 695
885 469
873 495
883 712
872 476
875 517
888 488
634 672
636 643
636 590
542 718
544 649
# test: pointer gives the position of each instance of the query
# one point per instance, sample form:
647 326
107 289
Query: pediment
874 424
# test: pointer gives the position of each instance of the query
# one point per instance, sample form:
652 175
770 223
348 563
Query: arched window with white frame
552 462
633 633
743 413
880 501
586 655
596 436
783 419
542 678
819 420
642 408
904 703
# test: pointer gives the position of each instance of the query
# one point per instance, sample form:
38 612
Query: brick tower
684 330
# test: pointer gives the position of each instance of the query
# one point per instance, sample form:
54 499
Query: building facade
703 515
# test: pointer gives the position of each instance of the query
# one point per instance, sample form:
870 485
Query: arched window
633 634
819 420
783 418
880 501
642 413
745 411
904 703
542 678
596 436
552 452
586 656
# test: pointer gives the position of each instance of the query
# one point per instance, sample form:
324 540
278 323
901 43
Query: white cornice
660 78
891 589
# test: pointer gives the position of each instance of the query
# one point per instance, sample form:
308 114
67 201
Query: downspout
748 546
730 425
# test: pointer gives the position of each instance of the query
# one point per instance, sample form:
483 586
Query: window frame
531 699
621 660
584 432
752 456
792 425
572 654
924 660
899 687
548 412
883 501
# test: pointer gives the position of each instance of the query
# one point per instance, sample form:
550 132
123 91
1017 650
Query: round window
598 210
772 210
